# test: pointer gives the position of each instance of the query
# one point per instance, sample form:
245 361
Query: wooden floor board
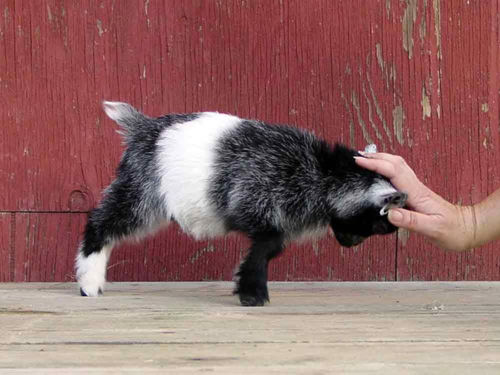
315 328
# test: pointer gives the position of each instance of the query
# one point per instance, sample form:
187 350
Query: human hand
449 226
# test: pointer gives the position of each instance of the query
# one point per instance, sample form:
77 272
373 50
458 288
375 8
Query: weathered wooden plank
173 256
187 61
6 232
458 150
375 328
419 78
45 246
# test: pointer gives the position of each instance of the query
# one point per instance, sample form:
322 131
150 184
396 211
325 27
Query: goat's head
360 201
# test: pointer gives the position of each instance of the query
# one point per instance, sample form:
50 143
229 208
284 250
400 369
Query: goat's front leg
251 286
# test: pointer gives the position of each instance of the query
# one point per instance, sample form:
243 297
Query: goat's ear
391 200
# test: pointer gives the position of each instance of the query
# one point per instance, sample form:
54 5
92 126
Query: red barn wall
417 77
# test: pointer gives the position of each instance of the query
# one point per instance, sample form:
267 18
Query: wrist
468 216
487 219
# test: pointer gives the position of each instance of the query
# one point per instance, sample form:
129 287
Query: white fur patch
379 191
349 202
91 271
185 162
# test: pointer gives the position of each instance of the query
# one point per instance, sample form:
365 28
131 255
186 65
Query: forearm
487 217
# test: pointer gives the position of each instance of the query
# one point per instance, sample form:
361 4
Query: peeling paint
389 75
380 60
426 104
348 69
382 64
56 18
409 140
99 27
330 272
352 135
392 75
423 23
436 4
398 118
146 6
403 236
49 14
438 111
370 117
316 248
200 253
380 114
351 119
355 103
409 19
437 25
370 114
388 7
484 107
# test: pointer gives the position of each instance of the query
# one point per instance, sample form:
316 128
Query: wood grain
313 328
458 150
417 77
45 246
6 247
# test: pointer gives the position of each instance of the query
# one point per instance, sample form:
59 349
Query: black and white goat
215 173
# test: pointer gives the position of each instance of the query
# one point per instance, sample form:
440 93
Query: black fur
131 203
252 275
269 167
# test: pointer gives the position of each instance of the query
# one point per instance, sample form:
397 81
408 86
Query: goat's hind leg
93 253
91 270
120 215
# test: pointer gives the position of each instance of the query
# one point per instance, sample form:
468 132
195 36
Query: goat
215 173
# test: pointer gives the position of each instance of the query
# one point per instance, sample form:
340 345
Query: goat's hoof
253 300
85 294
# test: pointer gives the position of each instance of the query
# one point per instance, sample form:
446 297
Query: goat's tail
130 119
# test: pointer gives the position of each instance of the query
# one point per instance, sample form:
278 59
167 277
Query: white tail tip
118 110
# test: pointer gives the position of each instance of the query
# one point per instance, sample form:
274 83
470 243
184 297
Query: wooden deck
313 328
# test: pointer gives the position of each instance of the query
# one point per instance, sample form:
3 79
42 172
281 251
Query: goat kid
214 173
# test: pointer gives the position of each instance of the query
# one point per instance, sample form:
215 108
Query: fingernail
395 216
366 155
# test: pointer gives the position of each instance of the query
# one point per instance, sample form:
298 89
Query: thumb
411 220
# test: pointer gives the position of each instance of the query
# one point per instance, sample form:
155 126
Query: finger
383 156
383 167
397 161
395 169
413 221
